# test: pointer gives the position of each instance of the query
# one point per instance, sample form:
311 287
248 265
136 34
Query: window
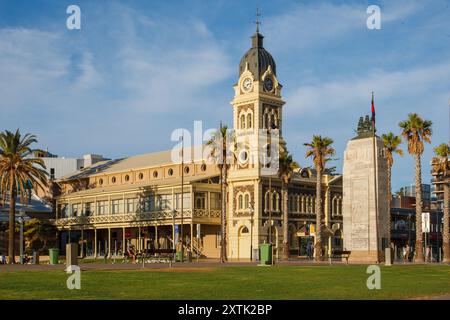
163 202
113 180
240 202
63 211
141 176
76 209
203 167
155 174
88 209
200 200
275 201
215 200
218 240
117 206
244 230
132 205
246 201
102 207
148 203
127 178
100 181
249 120
186 201
186 169
170 171
52 173
243 121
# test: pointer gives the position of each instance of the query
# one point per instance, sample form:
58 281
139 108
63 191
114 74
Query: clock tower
257 123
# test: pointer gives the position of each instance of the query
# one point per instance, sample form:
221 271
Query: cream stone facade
365 206
137 200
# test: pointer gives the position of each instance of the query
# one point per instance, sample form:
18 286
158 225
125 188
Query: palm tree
285 171
415 131
391 147
320 150
222 147
441 169
18 169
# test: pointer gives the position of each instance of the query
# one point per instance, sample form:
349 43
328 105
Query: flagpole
182 196
375 171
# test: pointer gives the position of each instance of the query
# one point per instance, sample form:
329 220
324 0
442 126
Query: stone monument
365 202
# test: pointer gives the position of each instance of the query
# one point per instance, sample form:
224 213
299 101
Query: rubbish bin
178 256
266 253
53 255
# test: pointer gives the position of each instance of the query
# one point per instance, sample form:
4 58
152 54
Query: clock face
247 84
268 84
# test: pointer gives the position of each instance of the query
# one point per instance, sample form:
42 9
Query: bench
341 254
156 255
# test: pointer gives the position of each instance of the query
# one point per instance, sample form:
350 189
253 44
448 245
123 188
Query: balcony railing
136 217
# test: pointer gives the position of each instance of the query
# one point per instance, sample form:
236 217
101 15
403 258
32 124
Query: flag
373 110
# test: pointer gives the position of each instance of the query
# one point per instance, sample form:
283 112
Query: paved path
118 265
209 263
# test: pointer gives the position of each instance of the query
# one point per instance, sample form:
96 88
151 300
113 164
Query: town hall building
149 200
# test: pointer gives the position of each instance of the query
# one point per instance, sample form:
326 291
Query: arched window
272 121
246 201
275 202
249 120
266 201
266 121
243 121
240 202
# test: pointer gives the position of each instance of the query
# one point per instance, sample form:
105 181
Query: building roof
144 186
258 58
35 205
138 162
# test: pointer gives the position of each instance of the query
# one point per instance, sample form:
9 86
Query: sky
137 70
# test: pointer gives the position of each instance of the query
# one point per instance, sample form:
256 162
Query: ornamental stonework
238 189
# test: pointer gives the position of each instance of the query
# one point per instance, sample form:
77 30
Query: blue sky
137 70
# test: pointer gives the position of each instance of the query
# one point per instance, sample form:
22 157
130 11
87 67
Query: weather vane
257 22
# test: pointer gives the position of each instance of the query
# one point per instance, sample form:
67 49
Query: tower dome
258 58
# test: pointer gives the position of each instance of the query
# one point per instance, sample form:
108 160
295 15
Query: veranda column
123 241
82 242
95 243
139 240
156 237
108 253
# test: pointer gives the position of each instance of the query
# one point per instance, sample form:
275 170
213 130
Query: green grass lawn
240 282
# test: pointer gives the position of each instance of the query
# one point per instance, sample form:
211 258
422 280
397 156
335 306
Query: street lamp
252 211
21 218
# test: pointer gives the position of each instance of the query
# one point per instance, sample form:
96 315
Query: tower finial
257 22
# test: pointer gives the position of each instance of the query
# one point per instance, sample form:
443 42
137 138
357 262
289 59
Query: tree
285 171
391 146
18 170
38 234
416 131
321 152
222 150
441 169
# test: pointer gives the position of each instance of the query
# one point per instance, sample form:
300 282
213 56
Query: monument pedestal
365 200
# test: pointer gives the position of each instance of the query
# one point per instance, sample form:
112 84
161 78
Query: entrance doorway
244 243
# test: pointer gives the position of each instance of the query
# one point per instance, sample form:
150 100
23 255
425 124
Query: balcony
137 217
